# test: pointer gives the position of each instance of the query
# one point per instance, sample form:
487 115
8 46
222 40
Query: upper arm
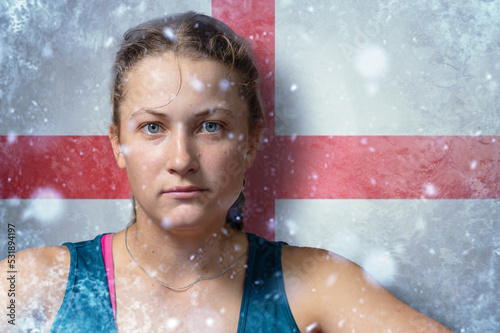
338 295
36 288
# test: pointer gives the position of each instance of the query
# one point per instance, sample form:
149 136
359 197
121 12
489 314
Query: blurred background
382 141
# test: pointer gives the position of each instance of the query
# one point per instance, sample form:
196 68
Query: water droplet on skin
196 84
172 323
192 257
166 222
125 150
224 84
331 280
312 327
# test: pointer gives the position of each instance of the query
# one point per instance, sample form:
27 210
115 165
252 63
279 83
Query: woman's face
183 141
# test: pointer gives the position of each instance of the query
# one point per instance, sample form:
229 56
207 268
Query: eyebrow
213 111
142 111
200 114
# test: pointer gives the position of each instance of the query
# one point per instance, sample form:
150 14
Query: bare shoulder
327 292
36 279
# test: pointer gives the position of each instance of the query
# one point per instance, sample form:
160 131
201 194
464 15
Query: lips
184 192
185 189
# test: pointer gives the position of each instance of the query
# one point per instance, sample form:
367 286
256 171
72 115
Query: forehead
168 69
179 81
180 88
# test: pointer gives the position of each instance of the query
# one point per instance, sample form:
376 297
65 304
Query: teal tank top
86 306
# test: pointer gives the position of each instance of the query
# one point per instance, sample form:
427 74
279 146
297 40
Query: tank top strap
86 306
264 307
107 255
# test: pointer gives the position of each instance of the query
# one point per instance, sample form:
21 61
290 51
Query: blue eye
211 127
152 128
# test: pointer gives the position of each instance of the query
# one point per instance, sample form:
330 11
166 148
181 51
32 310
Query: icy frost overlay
387 67
363 67
56 59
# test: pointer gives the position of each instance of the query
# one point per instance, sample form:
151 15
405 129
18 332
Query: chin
189 220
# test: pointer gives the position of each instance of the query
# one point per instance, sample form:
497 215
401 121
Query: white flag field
382 139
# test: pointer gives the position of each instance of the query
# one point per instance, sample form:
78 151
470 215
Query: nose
181 155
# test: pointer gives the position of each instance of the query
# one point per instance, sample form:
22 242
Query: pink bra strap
107 255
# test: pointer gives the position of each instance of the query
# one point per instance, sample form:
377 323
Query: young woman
187 121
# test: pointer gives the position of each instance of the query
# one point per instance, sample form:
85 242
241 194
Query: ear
254 143
117 150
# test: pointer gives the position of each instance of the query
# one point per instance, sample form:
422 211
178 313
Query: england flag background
382 143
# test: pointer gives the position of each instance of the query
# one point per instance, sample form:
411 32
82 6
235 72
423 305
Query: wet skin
183 123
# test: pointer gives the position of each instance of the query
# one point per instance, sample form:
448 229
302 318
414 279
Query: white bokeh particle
46 206
430 190
169 33
380 265
11 137
371 62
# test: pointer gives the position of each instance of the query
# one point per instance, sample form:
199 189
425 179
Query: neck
178 257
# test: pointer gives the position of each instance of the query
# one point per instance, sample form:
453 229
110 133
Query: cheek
226 170
141 162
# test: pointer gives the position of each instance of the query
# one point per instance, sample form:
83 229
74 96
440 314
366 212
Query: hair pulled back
195 36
